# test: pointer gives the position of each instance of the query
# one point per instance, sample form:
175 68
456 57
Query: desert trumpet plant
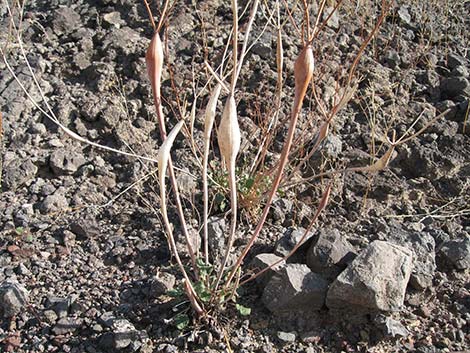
303 73
208 125
154 59
229 144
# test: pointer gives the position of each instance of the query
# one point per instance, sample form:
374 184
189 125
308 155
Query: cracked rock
260 262
295 288
18 173
66 162
330 254
375 280
13 297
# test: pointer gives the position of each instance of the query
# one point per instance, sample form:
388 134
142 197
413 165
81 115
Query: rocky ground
85 265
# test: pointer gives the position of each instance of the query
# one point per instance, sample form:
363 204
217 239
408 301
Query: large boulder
295 288
375 280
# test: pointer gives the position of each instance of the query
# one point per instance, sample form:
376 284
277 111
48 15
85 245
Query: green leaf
202 292
243 310
175 293
181 321
19 230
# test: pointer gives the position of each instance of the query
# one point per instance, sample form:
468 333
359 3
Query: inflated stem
303 72
163 159
154 59
208 125
229 144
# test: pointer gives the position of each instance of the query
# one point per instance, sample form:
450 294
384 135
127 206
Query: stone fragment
60 306
65 20
451 87
290 239
66 162
216 228
333 22
391 327
375 280
260 262
86 227
286 336
123 335
161 284
330 253
295 288
13 297
424 260
456 253
54 203
67 325
404 15
17 173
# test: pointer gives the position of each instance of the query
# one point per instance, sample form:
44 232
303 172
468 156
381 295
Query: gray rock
262 261
113 19
290 239
54 203
65 20
161 284
17 173
123 335
330 253
67 325
375 280
217 230
295 288
404 15
66 162
424 260
391 327
286 336
452 87
281 208
456 253
333 22
454 60
60 306
86 227
13 297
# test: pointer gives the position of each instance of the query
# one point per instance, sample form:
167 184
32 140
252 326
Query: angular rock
161 284
86 227
60 306
375 280
452 87
54 203
424 260
13 297
295 288
66 162
286 336
18 173
330 253
281 208
404 15
456 253
333 22
391 327
67 325
290 239
123 335
260 262
216 228
65 20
